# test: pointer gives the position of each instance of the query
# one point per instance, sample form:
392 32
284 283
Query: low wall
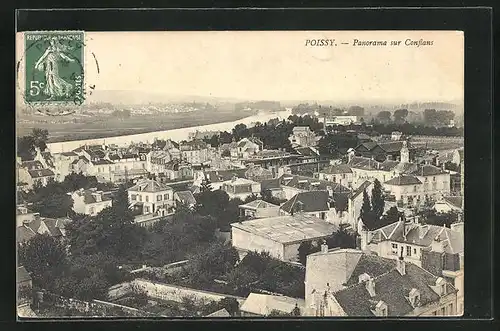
166 292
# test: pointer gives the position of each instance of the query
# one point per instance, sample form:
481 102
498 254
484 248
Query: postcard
240 174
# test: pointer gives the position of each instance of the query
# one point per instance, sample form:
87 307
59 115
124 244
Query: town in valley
315 210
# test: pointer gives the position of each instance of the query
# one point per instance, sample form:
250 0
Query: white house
90 202
152 196
241 188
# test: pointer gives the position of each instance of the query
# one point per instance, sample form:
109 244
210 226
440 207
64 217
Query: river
174 134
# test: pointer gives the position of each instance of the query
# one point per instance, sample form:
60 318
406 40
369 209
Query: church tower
405 153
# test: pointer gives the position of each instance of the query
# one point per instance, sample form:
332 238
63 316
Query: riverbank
178 134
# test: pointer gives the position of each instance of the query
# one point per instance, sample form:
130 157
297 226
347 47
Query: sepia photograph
239 174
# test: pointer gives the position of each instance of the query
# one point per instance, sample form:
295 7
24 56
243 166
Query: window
91 210
140 197
415 251
408 250
133 197
147 198
434 178
165 196
158 197
443 311
415 188
450 309
395 249
146 209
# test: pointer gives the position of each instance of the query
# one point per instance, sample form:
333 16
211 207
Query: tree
26 148
384 116
51 200
342 238
400 115
392 215
366 208
267 196
40 138
45 258
306 248
216 261
230 304
356 111
250 198
74 181
378 201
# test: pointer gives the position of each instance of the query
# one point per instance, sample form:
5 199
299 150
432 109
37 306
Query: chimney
401 266
370 287
324 248
443 166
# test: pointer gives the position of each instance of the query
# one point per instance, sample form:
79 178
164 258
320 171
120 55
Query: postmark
54 69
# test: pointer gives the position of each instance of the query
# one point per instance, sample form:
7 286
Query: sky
278 66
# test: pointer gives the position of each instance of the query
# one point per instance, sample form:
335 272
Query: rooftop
22 274
337 169
263 304
311 201
288 229
149 185
41 173
421 235
403 180
258 204
186 197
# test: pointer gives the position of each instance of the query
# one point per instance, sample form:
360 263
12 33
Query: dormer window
414 297
380 309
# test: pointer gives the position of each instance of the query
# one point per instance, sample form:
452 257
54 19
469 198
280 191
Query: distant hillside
142 97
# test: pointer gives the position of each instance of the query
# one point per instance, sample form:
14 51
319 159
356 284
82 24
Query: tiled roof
392 288
310 184
193 145
454 201
149 185
288 229
22 274
215 176
307 151
186 197
101 162
264 304
257 204
220 313
369 145
406 168
337 169
392 146
422 235
88 195
361 188
32 165
24 233
403 180
269 184
257 171
41 173
311 201
301 129
427 170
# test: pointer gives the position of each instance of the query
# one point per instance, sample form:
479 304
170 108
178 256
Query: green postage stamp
54 67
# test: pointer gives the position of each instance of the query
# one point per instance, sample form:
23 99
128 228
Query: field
438 143
81 126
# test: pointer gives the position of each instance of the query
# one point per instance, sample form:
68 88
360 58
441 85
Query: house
258 305
258 173
302 136
307 154
34 172
63 164
387 150
355 201
151 197
156 161
340 173
315 203
24 287
273 187
247 147
439 250
339 120
219 313
90 202
241 188
293 184
185 198
259 209
281 236
29 227
80 165
348 282
449 204
407 190
230 149
217 177
396 135
124 163
194 152
177 170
